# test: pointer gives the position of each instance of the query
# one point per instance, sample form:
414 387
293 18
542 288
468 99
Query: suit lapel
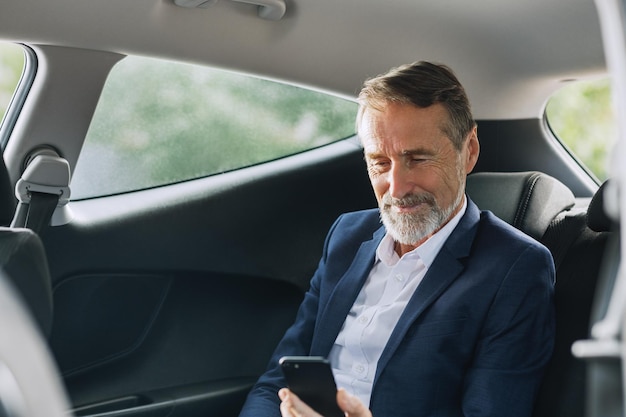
344 295
445 269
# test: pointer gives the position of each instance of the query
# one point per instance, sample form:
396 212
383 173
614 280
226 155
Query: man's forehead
375 151
412 142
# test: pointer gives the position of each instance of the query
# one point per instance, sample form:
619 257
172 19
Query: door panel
170 301
208 328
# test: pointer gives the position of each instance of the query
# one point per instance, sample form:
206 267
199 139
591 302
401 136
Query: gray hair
421 84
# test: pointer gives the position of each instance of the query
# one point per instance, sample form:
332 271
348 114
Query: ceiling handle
268 9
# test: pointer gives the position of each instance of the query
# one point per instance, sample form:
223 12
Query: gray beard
409 229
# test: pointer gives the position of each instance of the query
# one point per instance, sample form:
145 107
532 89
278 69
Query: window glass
12 63
160 122
581 116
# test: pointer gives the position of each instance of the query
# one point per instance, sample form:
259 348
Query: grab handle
268 9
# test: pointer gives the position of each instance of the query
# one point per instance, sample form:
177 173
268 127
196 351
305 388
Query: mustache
408 200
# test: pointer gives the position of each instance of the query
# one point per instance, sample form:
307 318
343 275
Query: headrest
526 200
597 219
24 261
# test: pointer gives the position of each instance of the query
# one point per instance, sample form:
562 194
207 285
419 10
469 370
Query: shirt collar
427 251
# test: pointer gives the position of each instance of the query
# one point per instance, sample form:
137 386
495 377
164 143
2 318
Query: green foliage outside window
159 122
581 116
11 67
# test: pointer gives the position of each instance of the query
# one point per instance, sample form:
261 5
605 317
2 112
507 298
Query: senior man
443 310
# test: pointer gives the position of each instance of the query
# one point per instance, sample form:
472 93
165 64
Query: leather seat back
23 259
580 242
540 206
527 200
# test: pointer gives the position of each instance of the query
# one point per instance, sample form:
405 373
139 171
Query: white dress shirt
378 308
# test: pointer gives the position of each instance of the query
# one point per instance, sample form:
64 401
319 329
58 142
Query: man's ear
472 149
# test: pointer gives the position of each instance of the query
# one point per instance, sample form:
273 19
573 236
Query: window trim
573 159
14 109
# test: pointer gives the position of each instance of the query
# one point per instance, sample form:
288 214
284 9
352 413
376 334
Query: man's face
417 174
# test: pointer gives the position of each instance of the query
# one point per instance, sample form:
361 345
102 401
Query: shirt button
359 369
399 277
363 319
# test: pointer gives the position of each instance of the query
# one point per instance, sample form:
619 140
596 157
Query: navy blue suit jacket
473 340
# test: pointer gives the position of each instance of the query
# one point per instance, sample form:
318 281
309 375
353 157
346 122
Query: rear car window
580 115
161 122
12 63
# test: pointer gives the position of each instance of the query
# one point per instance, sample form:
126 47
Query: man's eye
378 166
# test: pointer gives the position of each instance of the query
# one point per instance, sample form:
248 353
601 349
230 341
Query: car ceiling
510 54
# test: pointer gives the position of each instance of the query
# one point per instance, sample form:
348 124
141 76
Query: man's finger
351 405
292 406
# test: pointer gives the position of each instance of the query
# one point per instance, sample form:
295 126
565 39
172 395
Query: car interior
168 300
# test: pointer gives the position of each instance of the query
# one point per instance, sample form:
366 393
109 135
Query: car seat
23 258
527 200
542 207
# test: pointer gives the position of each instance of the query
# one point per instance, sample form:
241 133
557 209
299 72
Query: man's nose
399 181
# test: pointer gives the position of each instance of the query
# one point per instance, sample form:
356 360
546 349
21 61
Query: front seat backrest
23 259
527 200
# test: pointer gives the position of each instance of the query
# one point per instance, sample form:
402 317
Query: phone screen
311 378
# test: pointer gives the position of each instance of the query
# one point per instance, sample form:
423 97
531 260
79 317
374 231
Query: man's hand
292 406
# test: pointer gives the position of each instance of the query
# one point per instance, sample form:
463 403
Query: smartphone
311 378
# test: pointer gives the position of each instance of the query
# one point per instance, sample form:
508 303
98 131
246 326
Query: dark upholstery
597 218
526 200
23 258
540 206
578 241
8 202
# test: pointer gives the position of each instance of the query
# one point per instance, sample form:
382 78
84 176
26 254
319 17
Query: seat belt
43 187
